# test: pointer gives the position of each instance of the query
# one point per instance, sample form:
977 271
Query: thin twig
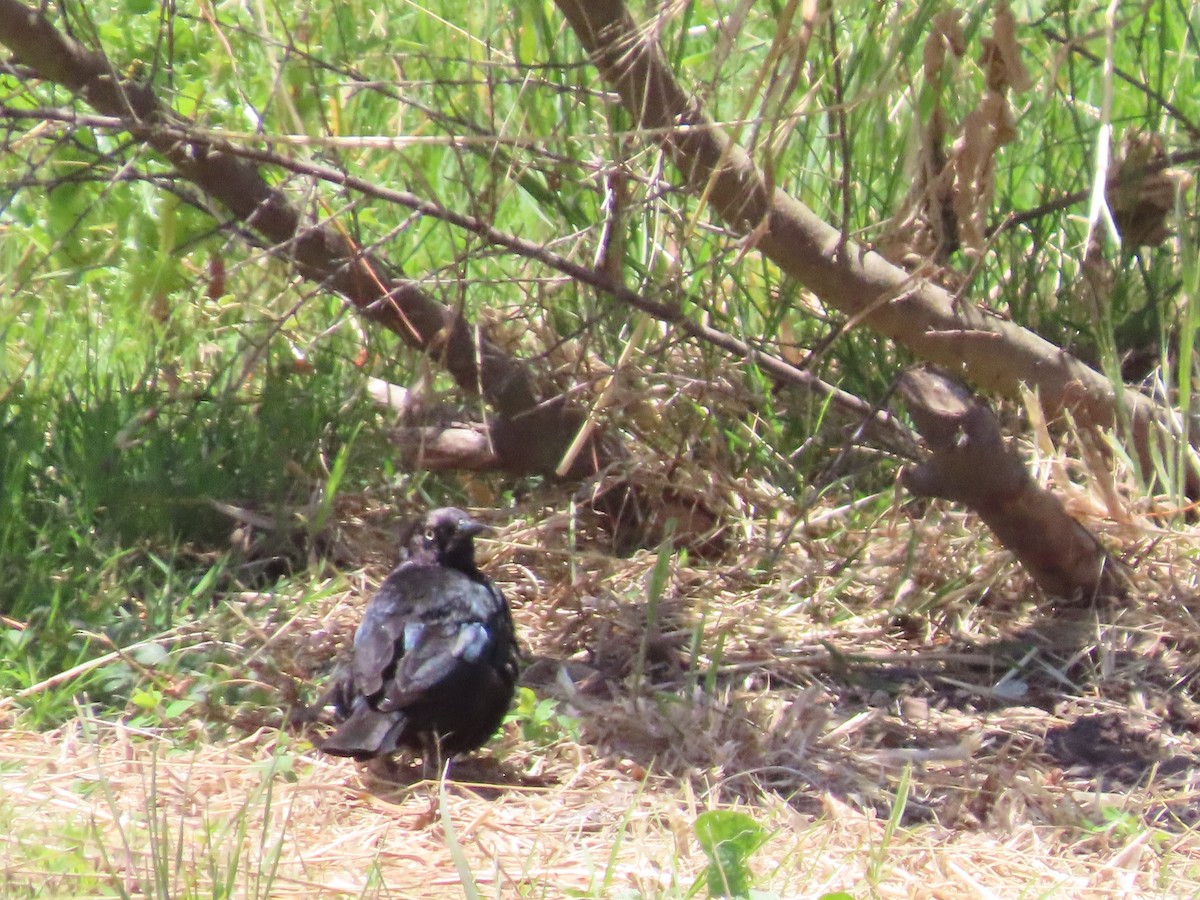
1075 47
1066 201
837 112
671 313
84 667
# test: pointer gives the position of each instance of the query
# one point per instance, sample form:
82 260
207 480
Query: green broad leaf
527 48
188 99
146 699
728 838
150 654
177 708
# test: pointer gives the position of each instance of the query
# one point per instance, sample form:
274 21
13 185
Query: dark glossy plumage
434 663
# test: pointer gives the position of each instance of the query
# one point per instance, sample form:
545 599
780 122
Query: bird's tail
366 734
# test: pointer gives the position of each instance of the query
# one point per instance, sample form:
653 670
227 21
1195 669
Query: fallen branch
969 464
878 424
326 255
460 446
997 356
320 252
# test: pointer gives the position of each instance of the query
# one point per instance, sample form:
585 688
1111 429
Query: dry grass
599 830
809 687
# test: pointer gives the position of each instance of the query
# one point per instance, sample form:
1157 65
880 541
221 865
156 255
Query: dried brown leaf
1001 57
1142 200
945 36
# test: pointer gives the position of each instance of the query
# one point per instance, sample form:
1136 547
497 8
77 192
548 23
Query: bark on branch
526 436
995 355
320 252
969 464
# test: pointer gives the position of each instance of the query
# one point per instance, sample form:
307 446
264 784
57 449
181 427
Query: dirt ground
884 691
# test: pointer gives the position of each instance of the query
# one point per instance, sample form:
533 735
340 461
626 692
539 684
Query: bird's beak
470 528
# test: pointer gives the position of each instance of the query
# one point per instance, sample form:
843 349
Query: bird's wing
436 654
379 641
420 622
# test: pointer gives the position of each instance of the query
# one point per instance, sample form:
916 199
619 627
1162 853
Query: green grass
217 851
107 511
156 364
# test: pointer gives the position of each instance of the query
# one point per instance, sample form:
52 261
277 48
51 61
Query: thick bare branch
459 447
993 354
320 252
879 425
969 464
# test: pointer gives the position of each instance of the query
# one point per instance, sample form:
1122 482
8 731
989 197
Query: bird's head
448 534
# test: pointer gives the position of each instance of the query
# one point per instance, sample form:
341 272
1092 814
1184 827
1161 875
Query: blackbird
435 659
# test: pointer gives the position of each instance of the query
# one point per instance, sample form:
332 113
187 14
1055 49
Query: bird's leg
431 758
385 768
428 758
